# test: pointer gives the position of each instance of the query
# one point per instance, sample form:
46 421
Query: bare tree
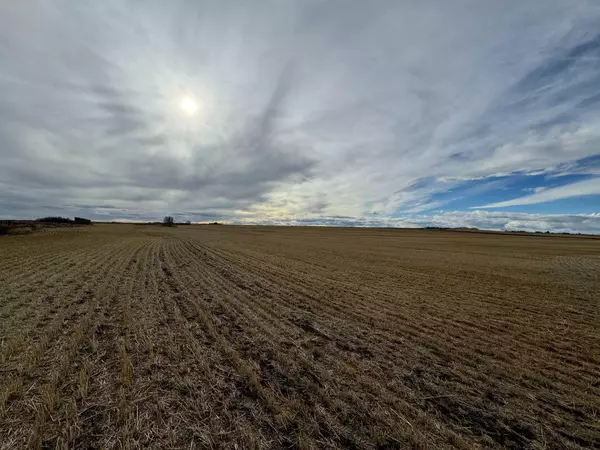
168 221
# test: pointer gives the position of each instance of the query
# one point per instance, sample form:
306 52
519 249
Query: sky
406 113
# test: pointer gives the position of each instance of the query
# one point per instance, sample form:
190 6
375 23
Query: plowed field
131 336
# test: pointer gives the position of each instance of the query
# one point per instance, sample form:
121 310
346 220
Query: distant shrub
64 220
54 219
4 230
168 221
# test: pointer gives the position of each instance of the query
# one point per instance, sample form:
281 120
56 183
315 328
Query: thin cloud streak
581 188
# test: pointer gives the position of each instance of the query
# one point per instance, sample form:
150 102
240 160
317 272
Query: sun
188 105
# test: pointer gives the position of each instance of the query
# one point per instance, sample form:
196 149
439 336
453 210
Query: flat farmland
137 336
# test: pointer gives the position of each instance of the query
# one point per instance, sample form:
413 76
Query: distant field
131 336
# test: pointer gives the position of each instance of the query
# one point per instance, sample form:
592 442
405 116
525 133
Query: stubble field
136 336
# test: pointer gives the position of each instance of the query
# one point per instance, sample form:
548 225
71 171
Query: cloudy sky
402 113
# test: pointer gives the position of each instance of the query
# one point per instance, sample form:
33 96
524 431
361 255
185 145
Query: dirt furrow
276 352
47 371
487 341
141 336
46 312
20 307
460 376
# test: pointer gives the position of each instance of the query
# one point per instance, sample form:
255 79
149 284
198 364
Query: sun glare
188 105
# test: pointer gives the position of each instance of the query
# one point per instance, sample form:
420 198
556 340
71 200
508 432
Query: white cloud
485 220
493 220
580 188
